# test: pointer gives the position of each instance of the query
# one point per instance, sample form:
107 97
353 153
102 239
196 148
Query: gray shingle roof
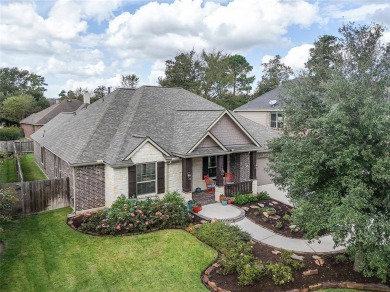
262 102
44 116
111 128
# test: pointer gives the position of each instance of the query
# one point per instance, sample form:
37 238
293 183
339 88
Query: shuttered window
147 178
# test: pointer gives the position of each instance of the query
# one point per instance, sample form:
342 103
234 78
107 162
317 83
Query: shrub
221 236
280 273
8 197
286 259
340 259
242 199
134 215
263 196
286 217
10 133
236 249
279 225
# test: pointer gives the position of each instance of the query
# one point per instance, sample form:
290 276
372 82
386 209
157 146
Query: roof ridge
111 97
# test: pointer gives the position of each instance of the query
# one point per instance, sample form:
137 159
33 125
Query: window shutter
252 165
160 177
132 181
225 163
205 167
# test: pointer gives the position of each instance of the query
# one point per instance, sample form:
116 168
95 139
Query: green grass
30 169
8 171
341 290
43 254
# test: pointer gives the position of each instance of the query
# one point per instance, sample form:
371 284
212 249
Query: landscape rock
203 221
276 217
205 279
261 205
316 257
245 208
209 270
270 204
254 207
319 262
212 285
297 257
315 287
276 252
274 202
216 265
266 214
310 272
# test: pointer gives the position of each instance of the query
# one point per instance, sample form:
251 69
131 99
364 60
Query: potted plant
229 201
197 207
224 200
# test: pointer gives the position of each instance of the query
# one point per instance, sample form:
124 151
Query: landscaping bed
332 271
279 223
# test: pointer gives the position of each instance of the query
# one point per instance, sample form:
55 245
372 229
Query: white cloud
113 82
297 57
377 11
157 70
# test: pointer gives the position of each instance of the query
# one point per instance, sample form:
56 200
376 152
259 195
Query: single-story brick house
35 121
148 141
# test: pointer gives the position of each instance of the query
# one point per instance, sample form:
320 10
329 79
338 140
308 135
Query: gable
207 142
229 133
146 153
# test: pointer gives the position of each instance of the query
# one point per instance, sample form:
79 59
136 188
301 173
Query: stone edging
349 285
210 284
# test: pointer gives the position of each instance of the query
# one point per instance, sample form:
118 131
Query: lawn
8 171
43 254
30 169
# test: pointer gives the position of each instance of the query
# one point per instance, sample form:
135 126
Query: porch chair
210 184
229 178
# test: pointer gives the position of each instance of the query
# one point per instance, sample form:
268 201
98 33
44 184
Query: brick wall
27 129
90 187
240 166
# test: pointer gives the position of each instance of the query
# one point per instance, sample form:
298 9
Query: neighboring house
33 122
266 109
149 141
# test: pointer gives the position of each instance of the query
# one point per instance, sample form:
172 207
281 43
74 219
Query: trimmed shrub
137 216
280 273
10 133
242 199
236 249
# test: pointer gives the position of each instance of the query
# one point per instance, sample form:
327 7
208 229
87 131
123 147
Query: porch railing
244 187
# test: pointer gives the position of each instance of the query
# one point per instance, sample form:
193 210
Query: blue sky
88 43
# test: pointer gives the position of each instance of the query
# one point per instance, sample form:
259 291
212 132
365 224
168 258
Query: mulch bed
331 271
281 210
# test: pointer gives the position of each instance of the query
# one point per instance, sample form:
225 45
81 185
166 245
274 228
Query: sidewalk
235 216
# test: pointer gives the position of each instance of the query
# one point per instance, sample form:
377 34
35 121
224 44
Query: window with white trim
43 155
146 178
277 120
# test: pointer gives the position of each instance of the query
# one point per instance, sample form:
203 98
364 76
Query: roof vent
273 102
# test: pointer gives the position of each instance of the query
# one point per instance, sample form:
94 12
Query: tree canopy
333 157
16 108
130 81
214 75
274 73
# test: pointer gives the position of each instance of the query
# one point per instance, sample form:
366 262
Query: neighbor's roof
112 127
262 102
44 116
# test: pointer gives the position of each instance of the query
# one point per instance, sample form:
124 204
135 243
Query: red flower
118 227
132 214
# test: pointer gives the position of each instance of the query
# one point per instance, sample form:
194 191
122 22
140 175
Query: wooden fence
24 146
241 187
6 146
42 195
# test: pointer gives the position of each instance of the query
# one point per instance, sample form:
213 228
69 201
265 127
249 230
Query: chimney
87 98
109 89
58 101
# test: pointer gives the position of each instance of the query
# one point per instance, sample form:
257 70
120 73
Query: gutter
220 153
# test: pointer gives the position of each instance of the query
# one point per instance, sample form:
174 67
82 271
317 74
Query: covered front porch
228 173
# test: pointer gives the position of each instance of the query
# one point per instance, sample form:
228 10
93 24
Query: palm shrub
135 216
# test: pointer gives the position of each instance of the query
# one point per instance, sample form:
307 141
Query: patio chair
210 184
229 178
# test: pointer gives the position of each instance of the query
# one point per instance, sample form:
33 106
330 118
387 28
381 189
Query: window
212 166
277 120
146 178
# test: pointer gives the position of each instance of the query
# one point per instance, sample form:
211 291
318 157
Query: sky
87 43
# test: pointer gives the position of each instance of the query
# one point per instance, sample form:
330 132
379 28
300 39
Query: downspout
74 191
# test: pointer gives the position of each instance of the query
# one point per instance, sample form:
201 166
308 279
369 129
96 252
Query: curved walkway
258 233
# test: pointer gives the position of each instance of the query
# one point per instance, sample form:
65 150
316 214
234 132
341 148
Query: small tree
16 108
130 81
8 198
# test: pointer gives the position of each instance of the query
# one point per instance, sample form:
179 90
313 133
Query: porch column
252 165
220 170
186 174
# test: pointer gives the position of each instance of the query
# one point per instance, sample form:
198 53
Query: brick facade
29 129
240 166
90 187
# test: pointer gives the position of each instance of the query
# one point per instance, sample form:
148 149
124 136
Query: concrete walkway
233 215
